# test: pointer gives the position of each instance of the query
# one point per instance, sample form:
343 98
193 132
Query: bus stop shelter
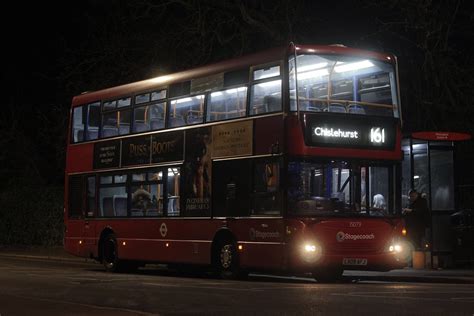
429 167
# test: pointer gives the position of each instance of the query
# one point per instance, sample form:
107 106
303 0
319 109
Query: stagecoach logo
163 230
341 236
256 234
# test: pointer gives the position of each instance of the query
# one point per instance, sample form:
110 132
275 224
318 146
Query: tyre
227 261
110 257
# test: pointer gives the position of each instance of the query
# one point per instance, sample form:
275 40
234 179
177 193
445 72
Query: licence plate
354 262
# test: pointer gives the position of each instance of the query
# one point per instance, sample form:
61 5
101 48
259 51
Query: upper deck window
85 122
116 117
78 124
265 97
186 111
123 102
109 105
265 91
149 115
142 98
343 84
158 95
93 121
227 104
268 72
150 96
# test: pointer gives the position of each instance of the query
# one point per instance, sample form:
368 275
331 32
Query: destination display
354 131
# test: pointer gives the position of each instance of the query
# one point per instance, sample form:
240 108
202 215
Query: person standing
417 218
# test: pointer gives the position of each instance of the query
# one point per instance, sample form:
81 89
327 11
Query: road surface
41 287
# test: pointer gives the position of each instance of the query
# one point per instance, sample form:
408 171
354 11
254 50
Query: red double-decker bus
284 160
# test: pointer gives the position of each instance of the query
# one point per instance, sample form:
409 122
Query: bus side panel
163 240
73 239
80 158
262 241
269 135
74 242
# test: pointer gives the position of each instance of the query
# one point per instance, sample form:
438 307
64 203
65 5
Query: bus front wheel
227 261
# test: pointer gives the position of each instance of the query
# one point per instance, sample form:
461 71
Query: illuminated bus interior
343 84
182 104
339 188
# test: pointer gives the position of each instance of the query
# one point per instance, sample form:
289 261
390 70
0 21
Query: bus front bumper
352 261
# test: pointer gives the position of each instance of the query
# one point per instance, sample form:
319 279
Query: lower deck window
147 194
144 193
339 188
247 187
76 192
113 201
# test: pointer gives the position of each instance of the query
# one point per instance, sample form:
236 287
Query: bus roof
258 58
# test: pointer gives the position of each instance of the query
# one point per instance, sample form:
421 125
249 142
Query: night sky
52 52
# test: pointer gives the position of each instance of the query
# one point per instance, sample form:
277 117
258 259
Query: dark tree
58 50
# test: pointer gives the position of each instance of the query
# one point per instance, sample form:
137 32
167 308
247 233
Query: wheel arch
221 235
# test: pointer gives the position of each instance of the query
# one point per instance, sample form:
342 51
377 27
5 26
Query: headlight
311 252
397 248
310 248
401 248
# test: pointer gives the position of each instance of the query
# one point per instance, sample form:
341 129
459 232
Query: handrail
347 102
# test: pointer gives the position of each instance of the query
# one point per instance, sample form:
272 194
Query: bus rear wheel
110 258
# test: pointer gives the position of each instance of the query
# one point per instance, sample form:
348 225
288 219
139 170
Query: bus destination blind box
333 131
